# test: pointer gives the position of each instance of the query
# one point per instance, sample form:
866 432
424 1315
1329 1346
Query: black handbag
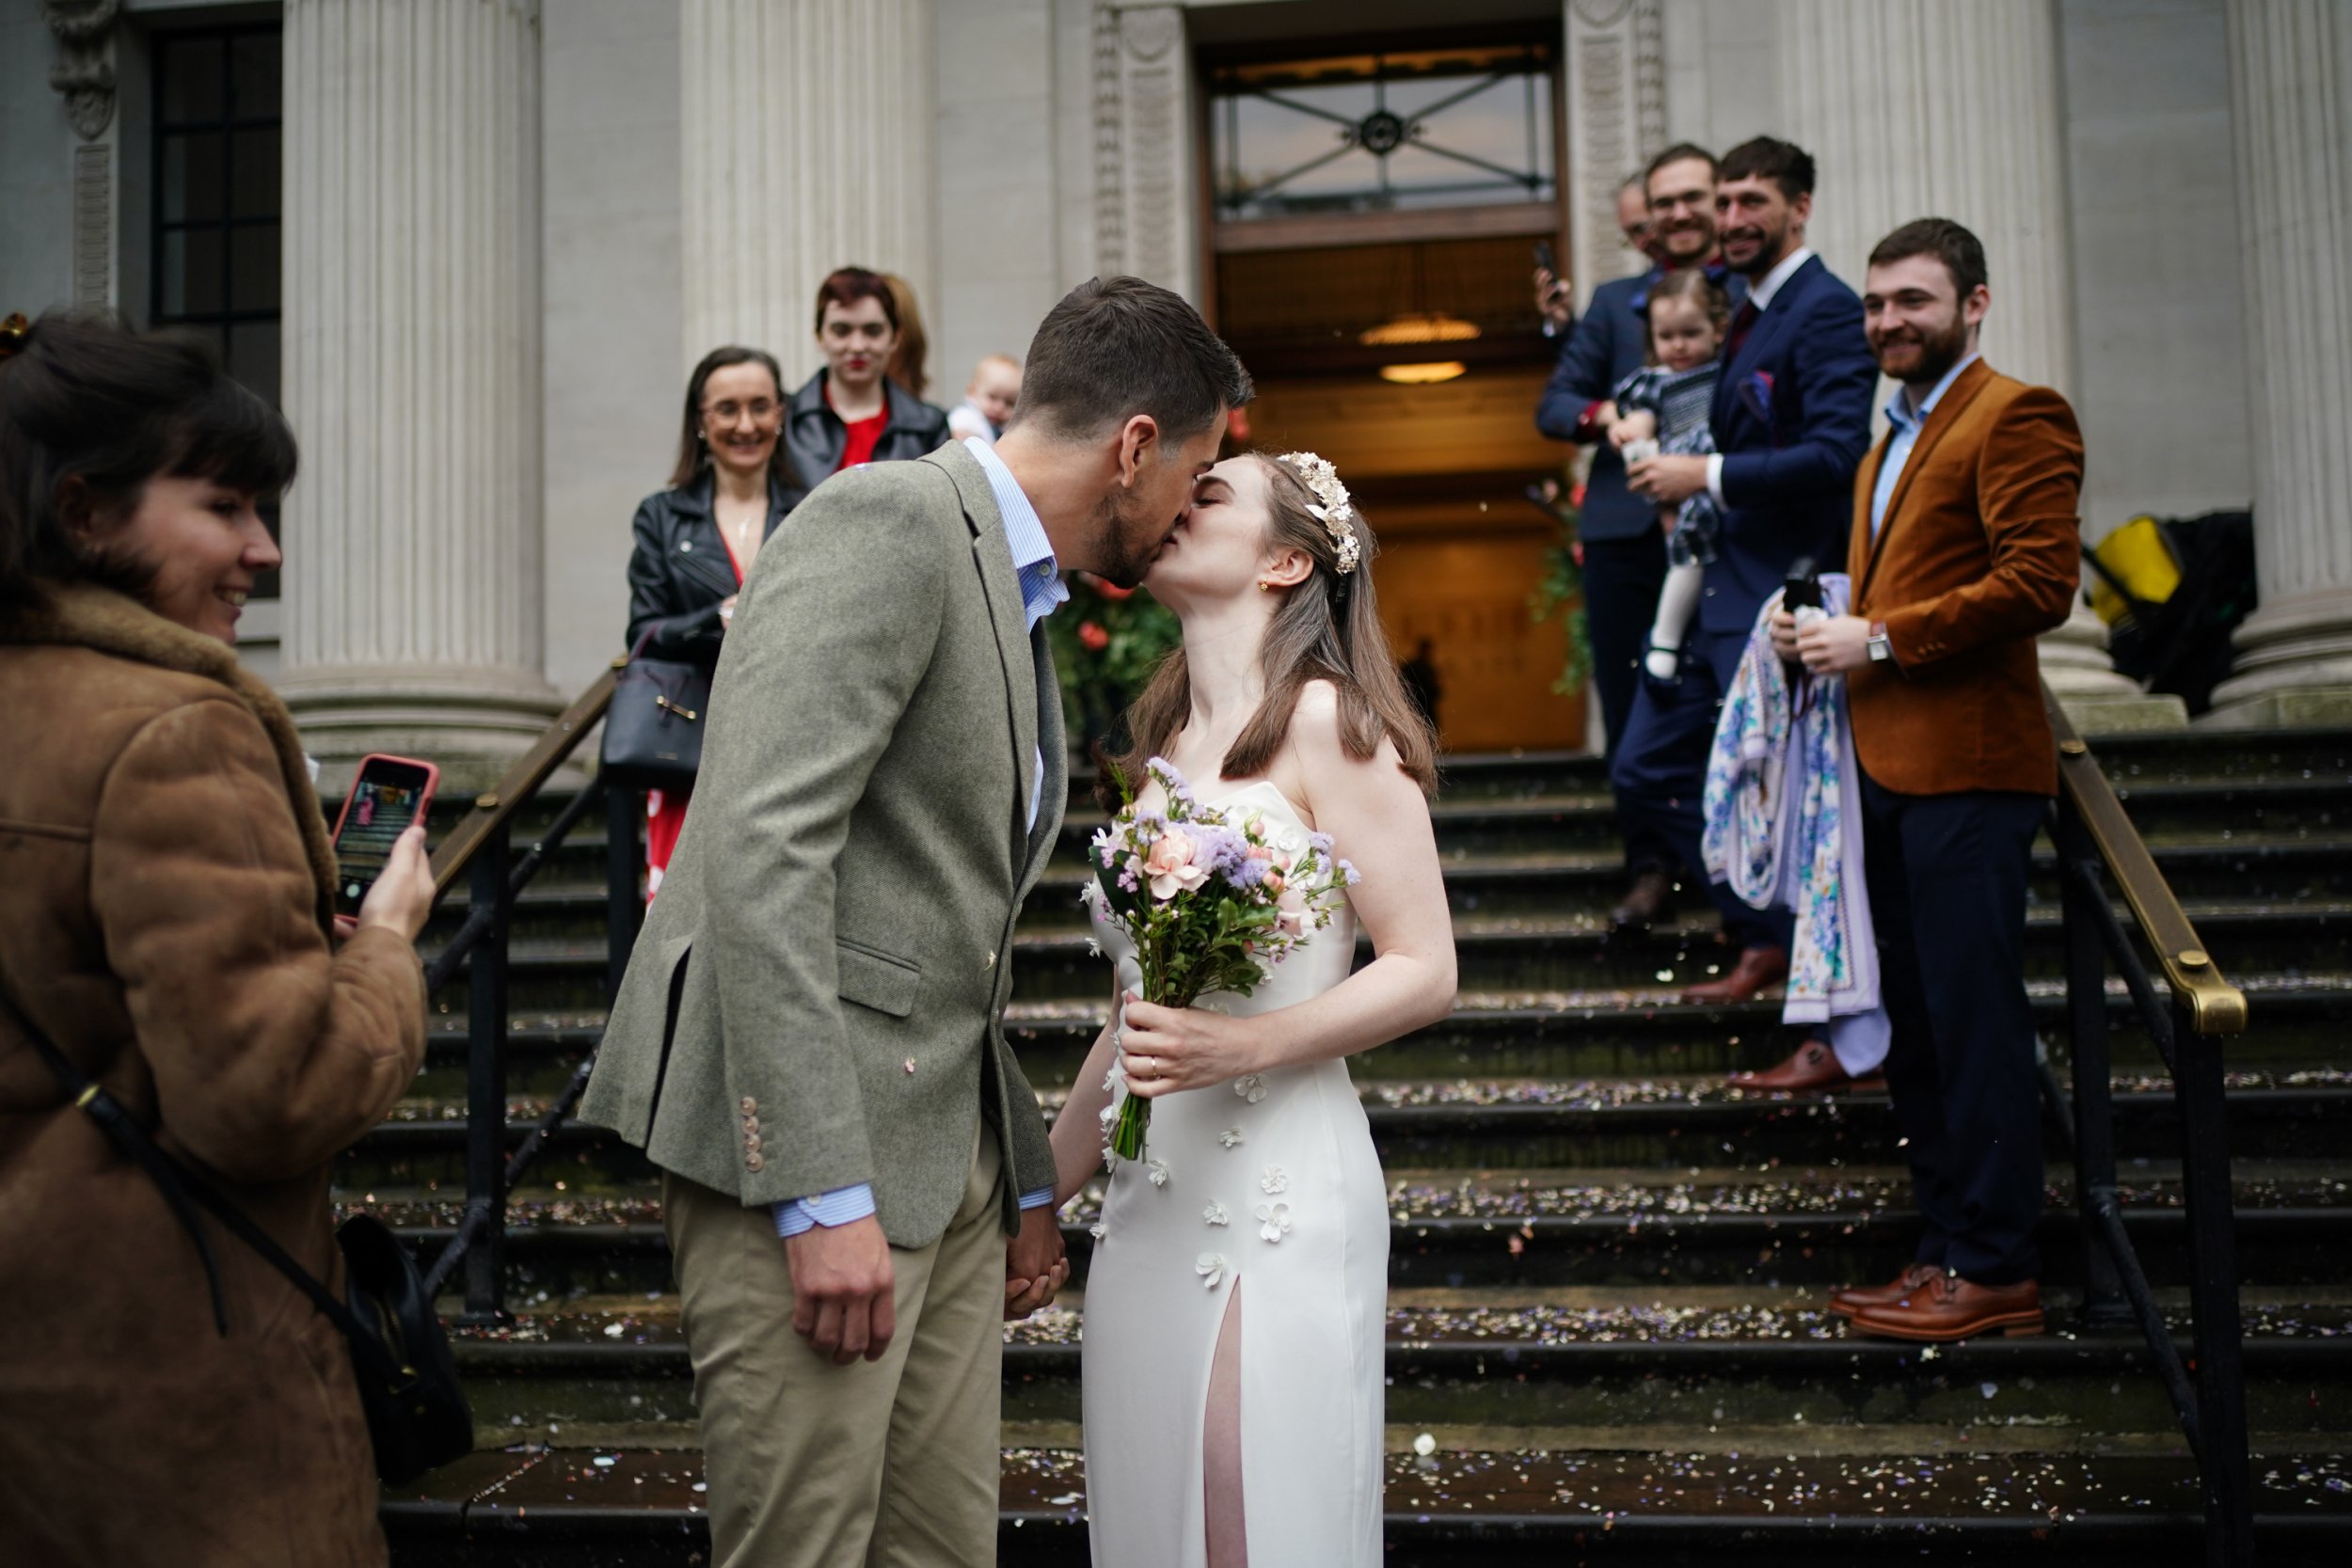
653 732
416 1414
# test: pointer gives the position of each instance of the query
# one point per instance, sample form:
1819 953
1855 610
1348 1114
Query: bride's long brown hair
1326 628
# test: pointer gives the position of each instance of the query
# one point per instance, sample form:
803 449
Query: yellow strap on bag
2137 556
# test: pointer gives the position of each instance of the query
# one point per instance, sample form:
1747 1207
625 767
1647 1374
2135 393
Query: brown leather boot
1950 1307
1650 900
1847 1301
1757 968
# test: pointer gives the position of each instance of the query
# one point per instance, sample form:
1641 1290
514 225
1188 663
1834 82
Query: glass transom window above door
1467 125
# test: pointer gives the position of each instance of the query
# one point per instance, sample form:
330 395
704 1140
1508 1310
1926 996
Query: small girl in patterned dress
1663 407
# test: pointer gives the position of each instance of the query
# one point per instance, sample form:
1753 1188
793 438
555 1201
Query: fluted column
2291 116
808 145
1920 108
412 376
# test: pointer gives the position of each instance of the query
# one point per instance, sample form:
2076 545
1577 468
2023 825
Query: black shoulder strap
179 1185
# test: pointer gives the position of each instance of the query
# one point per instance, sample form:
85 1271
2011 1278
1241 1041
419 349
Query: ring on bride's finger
1154 1070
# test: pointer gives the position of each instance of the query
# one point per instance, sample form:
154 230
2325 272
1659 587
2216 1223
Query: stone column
412 377
808 137
1911 110
2291 116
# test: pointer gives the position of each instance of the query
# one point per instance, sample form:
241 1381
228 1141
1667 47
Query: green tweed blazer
817 997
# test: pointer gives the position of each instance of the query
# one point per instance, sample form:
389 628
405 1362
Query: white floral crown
1336 512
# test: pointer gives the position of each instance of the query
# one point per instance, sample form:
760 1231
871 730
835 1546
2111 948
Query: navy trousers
1947 895
1622 580
1659 775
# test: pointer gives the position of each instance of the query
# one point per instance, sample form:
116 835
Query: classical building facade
474 246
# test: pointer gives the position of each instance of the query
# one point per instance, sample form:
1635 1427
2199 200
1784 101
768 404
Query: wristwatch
1882 652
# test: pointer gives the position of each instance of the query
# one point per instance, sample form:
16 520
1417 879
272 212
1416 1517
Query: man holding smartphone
1625 549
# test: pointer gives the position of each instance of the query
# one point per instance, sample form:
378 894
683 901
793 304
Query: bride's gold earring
1264 587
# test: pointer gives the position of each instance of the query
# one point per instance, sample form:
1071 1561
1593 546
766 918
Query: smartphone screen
385 799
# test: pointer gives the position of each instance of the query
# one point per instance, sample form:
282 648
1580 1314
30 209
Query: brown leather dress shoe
1650 900
1812 1066
1758 967
1950 1307
1844 1303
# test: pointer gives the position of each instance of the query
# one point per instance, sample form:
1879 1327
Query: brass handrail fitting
496 807
2215 1006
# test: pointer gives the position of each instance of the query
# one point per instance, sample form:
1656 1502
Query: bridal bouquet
1211 901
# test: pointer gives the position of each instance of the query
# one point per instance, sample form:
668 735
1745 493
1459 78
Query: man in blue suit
1792 419
1624 551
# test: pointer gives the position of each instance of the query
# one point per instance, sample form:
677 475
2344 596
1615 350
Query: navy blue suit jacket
1609 343
1792 419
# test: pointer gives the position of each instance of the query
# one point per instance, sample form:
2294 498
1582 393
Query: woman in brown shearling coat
166 921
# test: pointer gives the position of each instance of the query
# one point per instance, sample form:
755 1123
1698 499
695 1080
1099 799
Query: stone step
1522 953
563 904
1483 1497
2299 1024
1707 1360
1498 1123
1643 1229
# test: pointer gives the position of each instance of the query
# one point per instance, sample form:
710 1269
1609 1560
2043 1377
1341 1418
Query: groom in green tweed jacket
810 1038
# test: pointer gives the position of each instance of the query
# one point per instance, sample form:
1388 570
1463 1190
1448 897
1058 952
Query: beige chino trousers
889 1464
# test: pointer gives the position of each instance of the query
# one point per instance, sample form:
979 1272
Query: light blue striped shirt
1905 436
1043 590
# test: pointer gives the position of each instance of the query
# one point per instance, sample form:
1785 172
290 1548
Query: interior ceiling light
1423 374
1419 326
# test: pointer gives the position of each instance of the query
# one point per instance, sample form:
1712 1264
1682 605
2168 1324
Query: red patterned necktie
1741 321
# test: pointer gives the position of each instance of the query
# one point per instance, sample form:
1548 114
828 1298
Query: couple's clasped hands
843 1279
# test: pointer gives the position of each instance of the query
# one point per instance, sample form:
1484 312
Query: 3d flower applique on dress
1231 1137
1273 1221
1096 1230
1211 1268
1215 1215
1276 1179
1159 1172
1251 1087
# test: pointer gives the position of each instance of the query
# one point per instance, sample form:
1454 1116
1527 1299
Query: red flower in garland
1094 636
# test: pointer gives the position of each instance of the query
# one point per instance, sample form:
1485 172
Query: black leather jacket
680 569
815 437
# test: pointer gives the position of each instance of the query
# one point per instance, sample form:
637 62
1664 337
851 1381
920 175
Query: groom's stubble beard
1128 541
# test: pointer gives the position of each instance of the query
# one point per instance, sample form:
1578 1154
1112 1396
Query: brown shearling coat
164 883
1978 554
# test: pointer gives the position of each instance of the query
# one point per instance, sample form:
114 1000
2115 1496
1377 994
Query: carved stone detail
94 223
1143 217
1617 86
85 70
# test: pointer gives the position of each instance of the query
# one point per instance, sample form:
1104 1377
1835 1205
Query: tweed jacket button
749 1105
751 1124
752 1143
753 1160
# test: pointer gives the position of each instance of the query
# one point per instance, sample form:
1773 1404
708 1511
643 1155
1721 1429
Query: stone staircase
1607 1334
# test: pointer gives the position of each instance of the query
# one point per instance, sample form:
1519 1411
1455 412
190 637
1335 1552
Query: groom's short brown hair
1116 347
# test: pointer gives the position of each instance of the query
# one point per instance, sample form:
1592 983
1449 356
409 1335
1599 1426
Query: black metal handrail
2188 1018
481 848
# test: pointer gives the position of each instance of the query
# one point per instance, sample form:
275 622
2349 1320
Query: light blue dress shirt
1905 426
1042 592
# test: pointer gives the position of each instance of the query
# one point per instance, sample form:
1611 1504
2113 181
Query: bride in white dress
1237 1296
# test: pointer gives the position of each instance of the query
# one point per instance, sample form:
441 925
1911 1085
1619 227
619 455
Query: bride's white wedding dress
1262 1194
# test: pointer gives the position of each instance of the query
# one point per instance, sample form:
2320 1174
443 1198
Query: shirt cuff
1042 1198
1715 479
841 1206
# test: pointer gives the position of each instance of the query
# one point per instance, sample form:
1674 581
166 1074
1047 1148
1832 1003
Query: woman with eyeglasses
696 540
